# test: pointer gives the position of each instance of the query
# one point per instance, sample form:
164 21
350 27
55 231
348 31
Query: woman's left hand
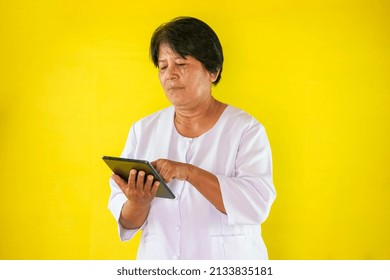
169 169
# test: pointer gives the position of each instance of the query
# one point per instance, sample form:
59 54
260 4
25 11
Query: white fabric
237 151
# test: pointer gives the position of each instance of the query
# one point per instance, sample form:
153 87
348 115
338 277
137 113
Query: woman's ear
214 76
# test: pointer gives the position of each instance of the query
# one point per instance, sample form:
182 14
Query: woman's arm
246 197
205 182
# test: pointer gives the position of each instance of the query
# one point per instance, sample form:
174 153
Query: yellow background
74 75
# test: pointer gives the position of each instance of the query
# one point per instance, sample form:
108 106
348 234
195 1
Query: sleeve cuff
115 206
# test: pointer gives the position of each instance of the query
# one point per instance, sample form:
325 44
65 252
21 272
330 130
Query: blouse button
177 228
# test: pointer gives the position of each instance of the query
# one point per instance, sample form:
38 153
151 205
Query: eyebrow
176 57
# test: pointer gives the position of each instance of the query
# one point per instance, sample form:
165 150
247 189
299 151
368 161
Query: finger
154 188
132 178
140 180
166 173
157 164
148 183
119 181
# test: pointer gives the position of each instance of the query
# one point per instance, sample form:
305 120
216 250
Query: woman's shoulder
240 117
235 112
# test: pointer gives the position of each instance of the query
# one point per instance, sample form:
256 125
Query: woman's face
186 82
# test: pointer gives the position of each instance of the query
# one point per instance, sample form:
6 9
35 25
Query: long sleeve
249 194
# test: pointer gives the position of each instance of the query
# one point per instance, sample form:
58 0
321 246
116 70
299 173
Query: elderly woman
215 157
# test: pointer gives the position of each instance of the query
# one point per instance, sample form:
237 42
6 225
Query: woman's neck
196 121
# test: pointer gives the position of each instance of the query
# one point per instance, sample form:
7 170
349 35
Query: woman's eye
162 67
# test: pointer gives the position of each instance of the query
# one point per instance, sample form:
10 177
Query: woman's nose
172 72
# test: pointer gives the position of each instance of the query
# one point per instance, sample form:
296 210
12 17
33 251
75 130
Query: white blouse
237 151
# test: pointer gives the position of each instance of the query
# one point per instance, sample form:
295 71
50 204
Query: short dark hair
190 36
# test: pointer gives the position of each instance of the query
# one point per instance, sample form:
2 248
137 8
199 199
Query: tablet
122 167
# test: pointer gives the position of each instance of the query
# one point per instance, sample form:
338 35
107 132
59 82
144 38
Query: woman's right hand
137 189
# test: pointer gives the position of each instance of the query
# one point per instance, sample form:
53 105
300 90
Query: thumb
154 163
